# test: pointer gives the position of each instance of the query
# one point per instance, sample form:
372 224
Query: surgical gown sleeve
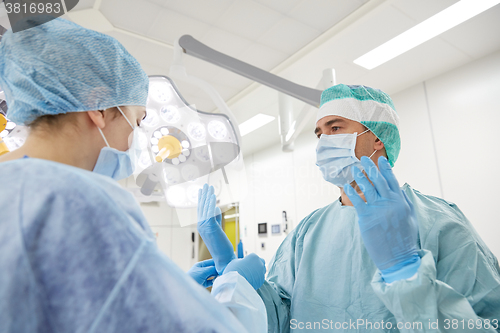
76 255
277 289
458 282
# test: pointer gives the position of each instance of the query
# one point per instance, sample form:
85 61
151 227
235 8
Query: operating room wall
449 135
172 239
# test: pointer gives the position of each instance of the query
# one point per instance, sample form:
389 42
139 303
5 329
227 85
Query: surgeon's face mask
113 162
335 157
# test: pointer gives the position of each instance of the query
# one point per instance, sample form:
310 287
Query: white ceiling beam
93 19
97 4
145 38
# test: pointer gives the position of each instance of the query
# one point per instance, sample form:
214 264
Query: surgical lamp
11 136
180 148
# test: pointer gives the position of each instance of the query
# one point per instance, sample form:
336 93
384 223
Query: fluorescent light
255 122
422 32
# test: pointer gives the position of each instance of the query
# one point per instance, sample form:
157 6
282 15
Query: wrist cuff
402 271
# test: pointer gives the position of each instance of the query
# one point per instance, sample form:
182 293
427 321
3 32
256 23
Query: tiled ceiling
84 4
469 41
262 33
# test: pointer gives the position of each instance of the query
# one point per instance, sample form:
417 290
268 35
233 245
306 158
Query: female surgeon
76 253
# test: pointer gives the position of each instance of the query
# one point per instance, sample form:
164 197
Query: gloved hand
204 272
251 267
210 230
387 220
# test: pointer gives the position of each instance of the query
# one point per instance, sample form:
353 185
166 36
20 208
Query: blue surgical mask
113 162
335 157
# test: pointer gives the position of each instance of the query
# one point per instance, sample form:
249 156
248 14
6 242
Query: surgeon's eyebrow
328 124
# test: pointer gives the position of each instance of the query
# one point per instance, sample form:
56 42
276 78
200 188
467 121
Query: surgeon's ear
378 145
97 117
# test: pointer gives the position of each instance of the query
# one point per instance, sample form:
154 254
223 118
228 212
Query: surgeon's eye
335 128
140 121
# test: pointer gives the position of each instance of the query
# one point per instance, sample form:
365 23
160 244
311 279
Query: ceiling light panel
254 123
422 32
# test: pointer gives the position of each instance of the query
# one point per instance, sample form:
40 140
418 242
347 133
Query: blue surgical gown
77 255
322 278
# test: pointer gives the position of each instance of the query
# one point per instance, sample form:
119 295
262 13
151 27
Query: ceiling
263 33
296 39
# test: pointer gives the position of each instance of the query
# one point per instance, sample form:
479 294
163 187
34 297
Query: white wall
450 144
449 149
172 239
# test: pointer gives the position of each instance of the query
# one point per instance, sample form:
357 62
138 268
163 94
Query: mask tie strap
106 141
123 114
373 153
102 134
363 132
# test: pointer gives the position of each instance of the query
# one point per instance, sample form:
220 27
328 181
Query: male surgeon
380 258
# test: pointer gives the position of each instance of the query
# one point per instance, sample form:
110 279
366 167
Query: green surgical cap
371 107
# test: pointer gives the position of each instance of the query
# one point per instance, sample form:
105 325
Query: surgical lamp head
181 148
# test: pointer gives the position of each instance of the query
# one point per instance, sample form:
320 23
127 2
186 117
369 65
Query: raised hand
387 220
210 230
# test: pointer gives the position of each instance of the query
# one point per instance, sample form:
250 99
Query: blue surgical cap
59 67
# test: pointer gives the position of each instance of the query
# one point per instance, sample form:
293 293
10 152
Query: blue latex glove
387 220
252 268
204 272
210 230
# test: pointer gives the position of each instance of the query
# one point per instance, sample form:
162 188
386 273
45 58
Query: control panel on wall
262 229
284 221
